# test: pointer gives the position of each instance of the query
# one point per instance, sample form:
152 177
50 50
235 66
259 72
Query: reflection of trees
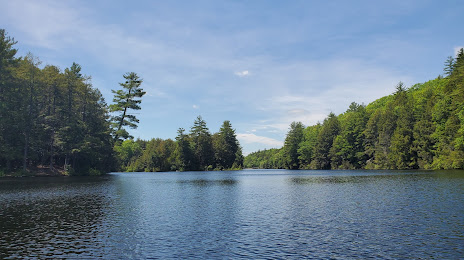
203 182
49 218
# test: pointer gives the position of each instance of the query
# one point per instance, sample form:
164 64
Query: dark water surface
245 214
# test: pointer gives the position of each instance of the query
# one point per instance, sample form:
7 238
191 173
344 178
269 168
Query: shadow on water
45 217
204 182
249 214
376 176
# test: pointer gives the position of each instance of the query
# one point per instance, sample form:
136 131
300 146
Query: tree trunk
26 150
52 150
66 161
122 118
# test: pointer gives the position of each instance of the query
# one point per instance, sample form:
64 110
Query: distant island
54 122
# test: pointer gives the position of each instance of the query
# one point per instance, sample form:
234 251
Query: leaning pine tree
125 99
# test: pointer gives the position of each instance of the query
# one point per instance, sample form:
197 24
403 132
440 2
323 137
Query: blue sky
259 64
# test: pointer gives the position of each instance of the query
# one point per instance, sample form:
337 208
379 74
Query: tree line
56 122
196 150
421 127
49 118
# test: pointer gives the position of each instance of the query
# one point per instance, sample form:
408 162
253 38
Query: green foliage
198 150
325 139
202 144
450 64
291 152
185 159
157 155
126 99
400 154
348 151
50 119
126 152
227 150
420 127
56 120
307 146
266 159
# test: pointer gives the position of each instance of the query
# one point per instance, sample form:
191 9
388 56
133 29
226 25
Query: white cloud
242 74
283 90
252 138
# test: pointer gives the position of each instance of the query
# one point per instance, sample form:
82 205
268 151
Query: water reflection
205 182
44 218
249 214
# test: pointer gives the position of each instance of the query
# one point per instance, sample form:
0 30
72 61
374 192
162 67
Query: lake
250 214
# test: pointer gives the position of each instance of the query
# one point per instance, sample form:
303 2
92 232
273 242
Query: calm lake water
243 214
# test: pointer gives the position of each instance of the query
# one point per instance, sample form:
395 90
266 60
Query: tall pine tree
126 99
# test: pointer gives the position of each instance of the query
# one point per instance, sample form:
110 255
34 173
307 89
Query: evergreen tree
449 66
330 130
124 100
9 102
227 148
202 144
292 142
28 74
184 152
48 119
400 154
71 132
423 142
51 120
348 150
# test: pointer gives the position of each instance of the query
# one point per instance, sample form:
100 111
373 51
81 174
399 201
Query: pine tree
292 141
202 144
348 148
450 64
227 148
128 98
330 130
184 152
29 77
50 123
9 101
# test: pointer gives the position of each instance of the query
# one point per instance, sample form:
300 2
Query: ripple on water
248 214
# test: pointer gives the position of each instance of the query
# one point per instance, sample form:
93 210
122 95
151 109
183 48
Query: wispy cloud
252 138
242 74
258 76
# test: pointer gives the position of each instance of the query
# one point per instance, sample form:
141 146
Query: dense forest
197 150
417 128
50 119
54 122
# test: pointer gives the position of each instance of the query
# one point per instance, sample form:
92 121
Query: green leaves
197 150
419 127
